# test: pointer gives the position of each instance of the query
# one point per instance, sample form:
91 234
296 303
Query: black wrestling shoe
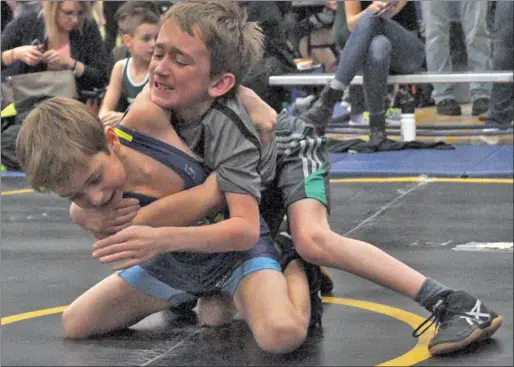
185 309
327 284
460 319
313 272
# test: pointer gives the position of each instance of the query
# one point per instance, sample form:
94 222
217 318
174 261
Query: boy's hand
111 118
133 246
263 117
102 221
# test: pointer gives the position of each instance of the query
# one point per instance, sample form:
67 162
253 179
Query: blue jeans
379 46
501 96
437 16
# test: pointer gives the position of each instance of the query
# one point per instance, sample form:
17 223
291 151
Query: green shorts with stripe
302 169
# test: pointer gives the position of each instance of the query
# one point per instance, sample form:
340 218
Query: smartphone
40 45
390 4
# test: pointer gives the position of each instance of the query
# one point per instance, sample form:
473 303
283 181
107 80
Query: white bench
467 77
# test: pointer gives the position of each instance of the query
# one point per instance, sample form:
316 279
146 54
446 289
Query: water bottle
408 123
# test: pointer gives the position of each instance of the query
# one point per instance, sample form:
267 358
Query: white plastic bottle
408 126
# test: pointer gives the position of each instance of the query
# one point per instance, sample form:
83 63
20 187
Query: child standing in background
130 75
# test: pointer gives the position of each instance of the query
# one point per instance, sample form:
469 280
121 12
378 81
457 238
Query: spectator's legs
355 51
478 46
502 94
436 19
351 60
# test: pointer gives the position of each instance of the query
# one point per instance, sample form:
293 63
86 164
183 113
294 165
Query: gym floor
458 231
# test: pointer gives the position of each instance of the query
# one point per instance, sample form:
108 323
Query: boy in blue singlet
203 51
96 169
130 75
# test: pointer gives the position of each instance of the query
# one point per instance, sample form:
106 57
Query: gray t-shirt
229 144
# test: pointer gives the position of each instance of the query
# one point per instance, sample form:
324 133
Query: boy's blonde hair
57 137
51 11
235 44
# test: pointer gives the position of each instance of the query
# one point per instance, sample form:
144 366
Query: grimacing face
180 69
98 184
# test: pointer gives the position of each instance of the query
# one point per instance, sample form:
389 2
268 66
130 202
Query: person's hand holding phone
376 6
388 10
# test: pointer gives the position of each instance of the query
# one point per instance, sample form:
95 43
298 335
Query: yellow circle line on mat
31 315
16 192
417 354
367 180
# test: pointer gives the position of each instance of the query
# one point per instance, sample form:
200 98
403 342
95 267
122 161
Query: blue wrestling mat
464 161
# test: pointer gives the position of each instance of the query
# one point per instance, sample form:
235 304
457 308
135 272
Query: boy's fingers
116 229
121 212
128 202
126 255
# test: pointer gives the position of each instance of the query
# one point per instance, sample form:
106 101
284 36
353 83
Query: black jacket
87 48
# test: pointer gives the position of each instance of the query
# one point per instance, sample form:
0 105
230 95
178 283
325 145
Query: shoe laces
440 314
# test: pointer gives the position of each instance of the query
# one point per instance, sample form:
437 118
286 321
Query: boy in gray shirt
203 51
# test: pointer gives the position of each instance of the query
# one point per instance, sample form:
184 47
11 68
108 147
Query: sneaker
359 119
448 107
480 106
484 116
492 125
393 116
288 253
460 319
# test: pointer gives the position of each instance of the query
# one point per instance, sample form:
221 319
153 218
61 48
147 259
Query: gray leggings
378 46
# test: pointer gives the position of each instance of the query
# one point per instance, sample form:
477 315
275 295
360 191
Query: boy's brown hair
57 137
235 44
138 17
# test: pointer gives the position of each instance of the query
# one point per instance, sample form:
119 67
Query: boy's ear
222 85
112 138
126 39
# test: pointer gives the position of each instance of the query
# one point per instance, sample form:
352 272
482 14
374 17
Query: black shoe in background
480 106
448 107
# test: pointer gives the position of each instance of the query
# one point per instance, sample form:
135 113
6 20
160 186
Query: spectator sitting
130 75
379 44
70 39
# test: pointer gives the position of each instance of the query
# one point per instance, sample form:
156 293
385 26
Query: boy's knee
309 244
75 327
281 335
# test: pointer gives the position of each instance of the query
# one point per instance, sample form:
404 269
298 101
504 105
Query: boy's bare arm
263 117
137 244
184 208
107 114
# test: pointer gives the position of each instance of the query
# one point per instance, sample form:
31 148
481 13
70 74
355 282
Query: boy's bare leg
461 317
316 243
110 305
276 307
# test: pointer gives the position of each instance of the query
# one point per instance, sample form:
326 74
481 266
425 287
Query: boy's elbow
249 238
